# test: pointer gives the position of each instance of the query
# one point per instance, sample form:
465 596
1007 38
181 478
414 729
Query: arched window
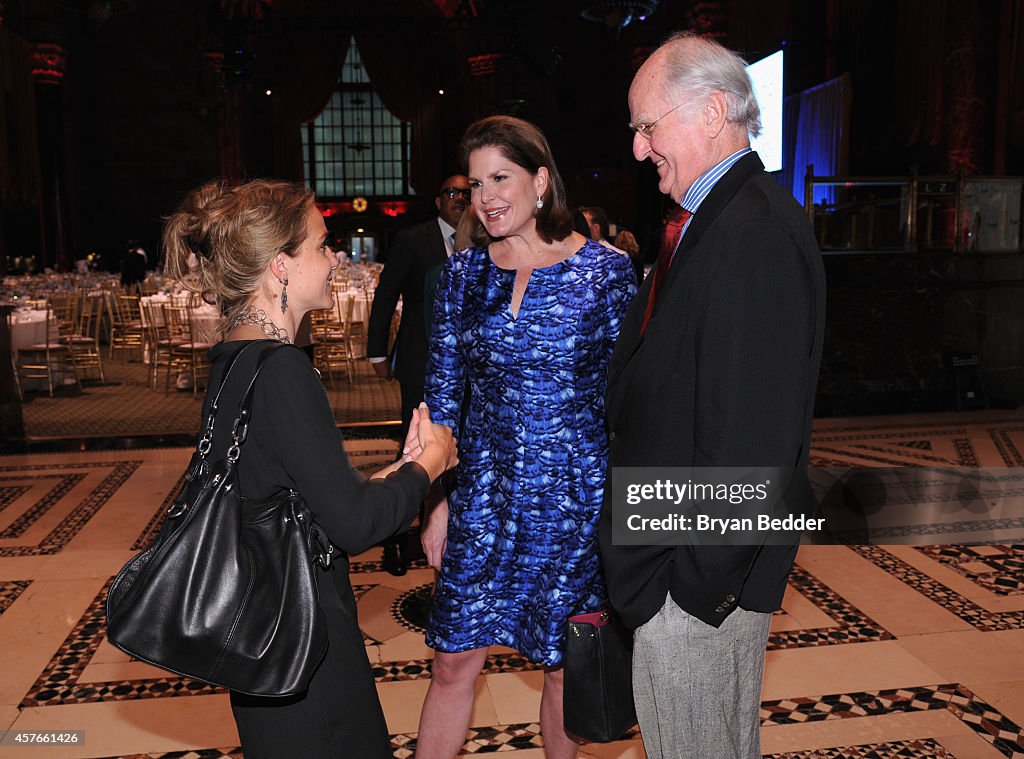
356 147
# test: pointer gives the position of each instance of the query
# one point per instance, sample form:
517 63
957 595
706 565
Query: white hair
697 67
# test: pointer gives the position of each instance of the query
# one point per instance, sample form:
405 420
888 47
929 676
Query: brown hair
235 232
525 145
627 242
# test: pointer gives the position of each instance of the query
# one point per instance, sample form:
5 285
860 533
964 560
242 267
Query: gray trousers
698 688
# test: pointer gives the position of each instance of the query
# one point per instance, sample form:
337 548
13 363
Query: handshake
430 445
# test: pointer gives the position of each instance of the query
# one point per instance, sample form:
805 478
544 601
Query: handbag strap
206 441
240 429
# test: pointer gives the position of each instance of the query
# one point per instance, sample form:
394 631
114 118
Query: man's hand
382 369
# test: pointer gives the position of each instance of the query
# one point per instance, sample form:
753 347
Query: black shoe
394 561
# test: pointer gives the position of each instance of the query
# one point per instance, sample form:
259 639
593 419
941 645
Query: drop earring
540 202
284 295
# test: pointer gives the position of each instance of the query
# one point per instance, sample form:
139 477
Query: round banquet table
204 316
28 327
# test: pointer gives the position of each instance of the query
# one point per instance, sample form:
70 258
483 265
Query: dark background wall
154 98
143 115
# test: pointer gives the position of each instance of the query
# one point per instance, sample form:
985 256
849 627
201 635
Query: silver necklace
258 318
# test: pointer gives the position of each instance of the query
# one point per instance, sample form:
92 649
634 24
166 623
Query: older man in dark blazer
715 366
414 252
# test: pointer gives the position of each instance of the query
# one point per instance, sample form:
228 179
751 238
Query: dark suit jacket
414 252
725 375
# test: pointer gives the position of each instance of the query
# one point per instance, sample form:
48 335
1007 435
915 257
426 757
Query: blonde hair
234 231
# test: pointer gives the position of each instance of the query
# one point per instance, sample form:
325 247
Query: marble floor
896 651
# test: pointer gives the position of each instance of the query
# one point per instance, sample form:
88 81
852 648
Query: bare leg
557 744
449 703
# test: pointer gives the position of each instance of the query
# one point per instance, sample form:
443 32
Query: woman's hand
381 474
411 446
438 452
434 535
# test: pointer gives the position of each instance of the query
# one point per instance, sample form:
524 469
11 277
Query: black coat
725 375
414 252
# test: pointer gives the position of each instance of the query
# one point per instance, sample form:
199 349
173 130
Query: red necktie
669 242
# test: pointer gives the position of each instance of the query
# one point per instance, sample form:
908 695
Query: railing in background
936 213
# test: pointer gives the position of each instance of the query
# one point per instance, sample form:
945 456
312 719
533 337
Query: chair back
178 323
128 308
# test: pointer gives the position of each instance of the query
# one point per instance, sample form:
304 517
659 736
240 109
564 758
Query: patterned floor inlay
851 624
149 532
1007 449
920 749
64 483
940 706
952 440
364 567
59 684
412 608
419 669
59 681
1004 734
935 591
480 740
999 568
205 753
404 745
80 515
9 592
10 493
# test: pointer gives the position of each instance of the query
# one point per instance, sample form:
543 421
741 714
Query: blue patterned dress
522 526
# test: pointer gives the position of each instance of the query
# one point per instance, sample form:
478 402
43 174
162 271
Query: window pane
356 118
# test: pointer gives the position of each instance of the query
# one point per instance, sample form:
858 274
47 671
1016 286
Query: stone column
57 233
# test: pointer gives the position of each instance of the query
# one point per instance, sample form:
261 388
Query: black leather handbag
227 592
598 678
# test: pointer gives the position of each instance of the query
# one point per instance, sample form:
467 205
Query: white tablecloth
27 328
204 317
362 305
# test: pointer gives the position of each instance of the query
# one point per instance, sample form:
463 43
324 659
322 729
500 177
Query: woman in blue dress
523 328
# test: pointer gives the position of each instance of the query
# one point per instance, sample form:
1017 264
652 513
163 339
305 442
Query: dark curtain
816 131
404 73
403 61
20 174
305 77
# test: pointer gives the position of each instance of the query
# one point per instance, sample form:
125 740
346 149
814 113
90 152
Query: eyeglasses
451 192
646 128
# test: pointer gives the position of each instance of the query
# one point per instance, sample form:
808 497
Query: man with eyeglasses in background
414 252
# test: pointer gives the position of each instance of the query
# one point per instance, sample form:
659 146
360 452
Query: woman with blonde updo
264 261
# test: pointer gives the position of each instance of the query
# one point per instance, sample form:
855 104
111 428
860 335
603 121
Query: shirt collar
447 230
703 185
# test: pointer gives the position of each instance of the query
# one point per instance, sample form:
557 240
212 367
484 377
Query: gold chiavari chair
329 351
65 311
126 329
188 353
355 331
43 361
84 339
158 341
